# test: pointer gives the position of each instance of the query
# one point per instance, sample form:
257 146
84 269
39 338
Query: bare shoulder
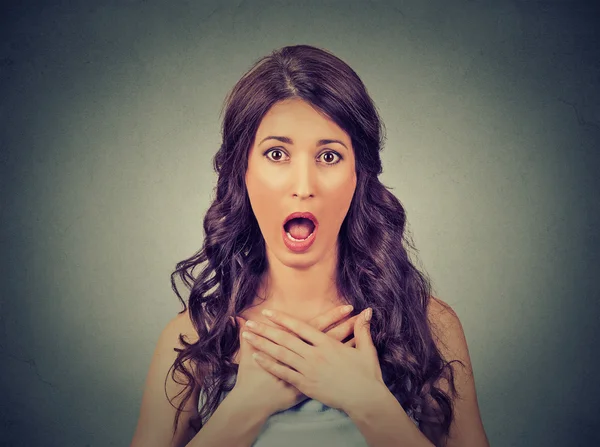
182 324
157 412
440 309
443 320
467 428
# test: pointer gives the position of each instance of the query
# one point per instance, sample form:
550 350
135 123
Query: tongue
300 228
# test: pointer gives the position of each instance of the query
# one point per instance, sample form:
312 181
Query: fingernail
347 309
368 314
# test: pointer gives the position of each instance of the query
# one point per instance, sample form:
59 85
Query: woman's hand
271 393
317 365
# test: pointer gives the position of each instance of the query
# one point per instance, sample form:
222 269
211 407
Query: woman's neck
304 293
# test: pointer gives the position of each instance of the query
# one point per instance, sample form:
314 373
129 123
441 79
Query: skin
301 175
301 284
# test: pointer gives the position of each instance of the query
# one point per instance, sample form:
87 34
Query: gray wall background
109 121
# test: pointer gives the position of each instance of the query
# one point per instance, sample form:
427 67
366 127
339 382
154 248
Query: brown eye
274 151
329 158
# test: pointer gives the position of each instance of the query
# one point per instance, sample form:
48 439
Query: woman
301 135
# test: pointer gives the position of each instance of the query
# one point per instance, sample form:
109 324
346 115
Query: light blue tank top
306 424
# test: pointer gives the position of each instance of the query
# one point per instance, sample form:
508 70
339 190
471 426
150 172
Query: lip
300 246
305 215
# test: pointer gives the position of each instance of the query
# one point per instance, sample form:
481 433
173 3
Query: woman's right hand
272 393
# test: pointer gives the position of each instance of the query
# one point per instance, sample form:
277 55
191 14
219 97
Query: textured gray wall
109 119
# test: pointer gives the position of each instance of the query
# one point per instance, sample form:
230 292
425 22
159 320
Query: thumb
362 331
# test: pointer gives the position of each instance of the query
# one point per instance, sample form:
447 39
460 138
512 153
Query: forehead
295 116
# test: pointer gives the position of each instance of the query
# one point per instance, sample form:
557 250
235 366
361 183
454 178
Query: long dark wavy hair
374 268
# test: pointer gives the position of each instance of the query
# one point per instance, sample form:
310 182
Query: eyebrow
290 141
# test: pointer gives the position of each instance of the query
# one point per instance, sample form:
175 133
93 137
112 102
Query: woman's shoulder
161 397
452 343
182 324
439 305
446 328
448 332
439 313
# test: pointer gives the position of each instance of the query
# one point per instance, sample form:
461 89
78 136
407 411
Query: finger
362 332
326 319
283 372
282 338
278 352
343 330
243 343
247 348
351 343
298 327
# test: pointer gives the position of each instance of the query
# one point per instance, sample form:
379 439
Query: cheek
262 187
262 195
339 200
343 190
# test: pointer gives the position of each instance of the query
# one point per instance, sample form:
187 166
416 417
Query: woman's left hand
324 369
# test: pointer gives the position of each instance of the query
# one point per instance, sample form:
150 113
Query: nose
303 178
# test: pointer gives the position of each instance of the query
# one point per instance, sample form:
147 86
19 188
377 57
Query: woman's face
300 174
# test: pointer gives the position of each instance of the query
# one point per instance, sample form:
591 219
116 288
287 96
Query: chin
300 259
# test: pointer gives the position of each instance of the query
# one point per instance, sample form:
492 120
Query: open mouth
299 228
